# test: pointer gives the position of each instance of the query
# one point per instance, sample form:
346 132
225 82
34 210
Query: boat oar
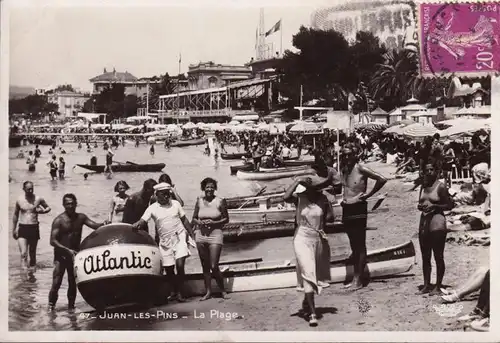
249 260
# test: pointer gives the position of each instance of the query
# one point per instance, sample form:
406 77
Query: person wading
210 215
117 205
174 230
433 201
138 202
355 208
65 237
27 234
310 242
53 167
31 162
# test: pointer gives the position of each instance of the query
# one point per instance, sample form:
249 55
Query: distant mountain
20 92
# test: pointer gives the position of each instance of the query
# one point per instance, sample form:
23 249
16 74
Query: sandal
313 321
481 325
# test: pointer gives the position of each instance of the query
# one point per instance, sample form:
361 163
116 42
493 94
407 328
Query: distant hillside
20 92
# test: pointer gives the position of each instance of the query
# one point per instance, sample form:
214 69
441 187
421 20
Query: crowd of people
160 202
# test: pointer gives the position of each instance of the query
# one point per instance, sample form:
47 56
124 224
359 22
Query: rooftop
114 76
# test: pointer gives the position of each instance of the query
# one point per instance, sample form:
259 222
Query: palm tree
397 78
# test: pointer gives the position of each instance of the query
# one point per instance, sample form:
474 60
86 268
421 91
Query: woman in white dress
118 202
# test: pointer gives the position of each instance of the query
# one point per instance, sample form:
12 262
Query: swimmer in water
152 150
31 162
27 233
53 167
65 237
85 176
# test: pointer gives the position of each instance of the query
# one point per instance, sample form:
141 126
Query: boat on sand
256 274
273 175
281 211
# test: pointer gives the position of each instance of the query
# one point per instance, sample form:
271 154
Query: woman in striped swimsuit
210 215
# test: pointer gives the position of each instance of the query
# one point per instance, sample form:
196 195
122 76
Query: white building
68 103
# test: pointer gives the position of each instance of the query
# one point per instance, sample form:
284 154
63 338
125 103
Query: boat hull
125 168
190 142
287 213
255 276
272 175
235 156
15 141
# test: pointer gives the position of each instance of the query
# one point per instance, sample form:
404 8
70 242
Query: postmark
459 39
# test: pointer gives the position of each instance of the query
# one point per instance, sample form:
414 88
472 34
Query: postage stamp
459 38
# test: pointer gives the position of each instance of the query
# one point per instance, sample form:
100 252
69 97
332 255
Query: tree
111 101
67 87
36 105
395 80
319 67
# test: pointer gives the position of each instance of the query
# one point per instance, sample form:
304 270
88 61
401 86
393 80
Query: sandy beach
389 304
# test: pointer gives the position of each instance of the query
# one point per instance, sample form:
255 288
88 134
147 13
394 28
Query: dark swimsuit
29 231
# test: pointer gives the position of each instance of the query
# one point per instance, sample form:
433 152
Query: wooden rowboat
188 142
125 167
244 167
235 155
266 212
286 163
273 175
244 232
256 276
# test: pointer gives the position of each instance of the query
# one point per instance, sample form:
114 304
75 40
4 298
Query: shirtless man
65 238
354 207
27 234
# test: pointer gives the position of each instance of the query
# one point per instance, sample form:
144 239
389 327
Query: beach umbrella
263 127
306 127
404 122
189 125
419 130
466 127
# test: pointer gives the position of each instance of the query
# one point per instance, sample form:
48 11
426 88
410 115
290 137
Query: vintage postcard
249 170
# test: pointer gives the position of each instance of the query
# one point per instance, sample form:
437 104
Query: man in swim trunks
65 238
27 234
109 161
355 208
137 203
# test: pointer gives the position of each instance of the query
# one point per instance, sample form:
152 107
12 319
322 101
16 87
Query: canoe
188 142
252 201
281 212
15 141
125 167
245 232
255 276
287 163
235 155
244 167
264 169
272 175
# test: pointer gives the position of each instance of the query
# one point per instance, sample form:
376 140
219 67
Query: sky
60 45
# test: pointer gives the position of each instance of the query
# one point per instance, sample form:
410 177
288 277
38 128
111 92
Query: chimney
114 71
105 71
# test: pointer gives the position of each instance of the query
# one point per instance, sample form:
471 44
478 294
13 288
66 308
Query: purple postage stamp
459 38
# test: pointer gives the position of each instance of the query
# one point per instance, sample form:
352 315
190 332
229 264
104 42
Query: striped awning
419 130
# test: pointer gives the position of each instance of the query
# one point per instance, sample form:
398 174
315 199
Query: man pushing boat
355 208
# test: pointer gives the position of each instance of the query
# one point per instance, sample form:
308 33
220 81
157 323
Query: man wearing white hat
172 227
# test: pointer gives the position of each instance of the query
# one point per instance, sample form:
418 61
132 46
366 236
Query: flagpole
178 100
281 38
147 99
